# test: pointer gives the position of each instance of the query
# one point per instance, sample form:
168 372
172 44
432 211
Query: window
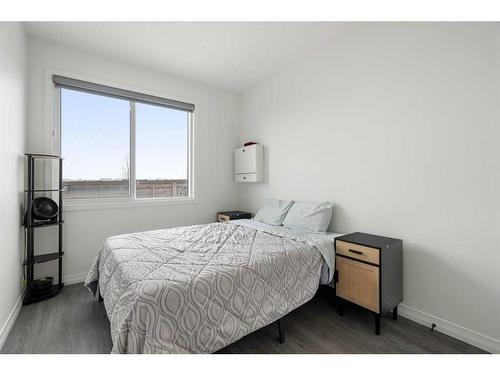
161 152
122 145
95 145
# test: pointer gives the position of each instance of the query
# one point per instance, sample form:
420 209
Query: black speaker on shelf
42 208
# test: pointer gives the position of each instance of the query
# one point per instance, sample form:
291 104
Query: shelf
35 297
44 156
41 190
44 224
46 257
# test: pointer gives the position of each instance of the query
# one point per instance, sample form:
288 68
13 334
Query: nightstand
233 215
369 273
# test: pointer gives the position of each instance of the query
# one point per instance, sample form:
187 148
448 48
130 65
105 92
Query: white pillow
310 216
273 211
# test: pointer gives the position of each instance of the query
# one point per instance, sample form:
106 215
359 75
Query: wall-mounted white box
249 163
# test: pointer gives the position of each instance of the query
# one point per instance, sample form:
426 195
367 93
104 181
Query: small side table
233 215
369 273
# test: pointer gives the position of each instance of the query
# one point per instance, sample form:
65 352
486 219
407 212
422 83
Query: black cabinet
369 273
233 215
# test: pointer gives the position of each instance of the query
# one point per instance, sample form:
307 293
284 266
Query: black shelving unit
31 225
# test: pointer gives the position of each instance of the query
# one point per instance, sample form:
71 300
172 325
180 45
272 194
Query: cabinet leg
377 324
340 306
395 313
281 332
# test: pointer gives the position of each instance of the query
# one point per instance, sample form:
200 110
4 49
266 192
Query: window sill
137 203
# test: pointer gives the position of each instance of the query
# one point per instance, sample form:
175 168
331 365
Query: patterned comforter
199 288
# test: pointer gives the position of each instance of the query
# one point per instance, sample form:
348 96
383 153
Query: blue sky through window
96 133
161 142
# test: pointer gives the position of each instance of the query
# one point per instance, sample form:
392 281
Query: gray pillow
273 211
309 216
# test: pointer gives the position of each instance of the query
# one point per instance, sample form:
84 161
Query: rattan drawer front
366 254
358 282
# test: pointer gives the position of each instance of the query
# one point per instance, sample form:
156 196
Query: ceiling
231 55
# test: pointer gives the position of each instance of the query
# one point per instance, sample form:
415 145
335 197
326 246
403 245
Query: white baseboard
4 332
73 279
451 329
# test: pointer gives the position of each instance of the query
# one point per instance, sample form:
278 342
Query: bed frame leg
377 324
395 313
281 330
340 306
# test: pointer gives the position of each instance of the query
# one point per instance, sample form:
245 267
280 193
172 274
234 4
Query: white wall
12 136
216 122
396 123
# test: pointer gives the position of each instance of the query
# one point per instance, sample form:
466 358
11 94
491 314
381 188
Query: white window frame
71 204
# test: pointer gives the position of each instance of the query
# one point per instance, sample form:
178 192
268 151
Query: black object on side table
40 289
369 273
233 215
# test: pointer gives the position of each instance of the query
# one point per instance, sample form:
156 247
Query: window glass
95 145
95 136
161 152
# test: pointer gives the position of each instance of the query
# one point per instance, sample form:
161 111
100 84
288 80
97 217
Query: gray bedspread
198 288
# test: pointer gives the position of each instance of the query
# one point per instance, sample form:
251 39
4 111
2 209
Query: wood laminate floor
73 322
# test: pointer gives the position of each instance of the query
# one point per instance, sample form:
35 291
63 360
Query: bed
197 289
